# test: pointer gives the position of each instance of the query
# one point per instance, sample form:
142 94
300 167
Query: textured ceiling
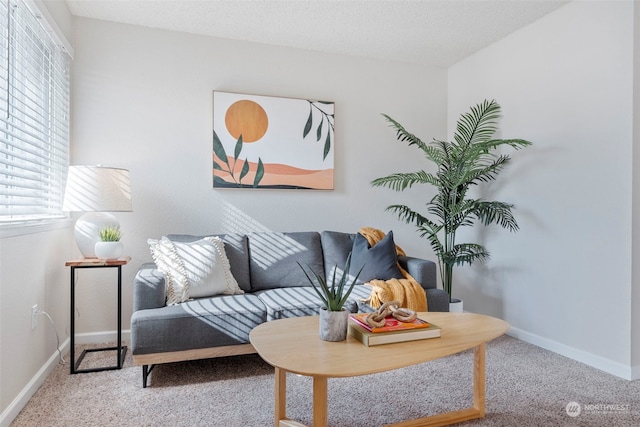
430 32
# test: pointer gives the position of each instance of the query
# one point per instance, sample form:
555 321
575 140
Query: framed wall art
271 142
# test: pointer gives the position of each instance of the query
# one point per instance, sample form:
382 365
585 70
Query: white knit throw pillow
194 269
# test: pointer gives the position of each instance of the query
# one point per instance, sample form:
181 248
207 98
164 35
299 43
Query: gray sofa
265 267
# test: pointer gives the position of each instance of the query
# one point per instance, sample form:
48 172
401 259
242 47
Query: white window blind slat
34 116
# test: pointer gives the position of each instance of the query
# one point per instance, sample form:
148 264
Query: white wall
565 83
32 272
143 101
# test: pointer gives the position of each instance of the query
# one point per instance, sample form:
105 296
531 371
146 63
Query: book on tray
391 324
394 334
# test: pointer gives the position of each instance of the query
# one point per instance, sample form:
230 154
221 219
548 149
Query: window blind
34 116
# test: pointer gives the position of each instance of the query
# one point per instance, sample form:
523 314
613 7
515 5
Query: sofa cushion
288 302
202 323
377 262
194 269
237 249
274 258
283 303
336 247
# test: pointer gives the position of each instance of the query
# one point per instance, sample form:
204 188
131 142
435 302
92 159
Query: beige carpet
526 386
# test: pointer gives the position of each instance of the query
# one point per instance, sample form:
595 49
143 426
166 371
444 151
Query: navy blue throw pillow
380 261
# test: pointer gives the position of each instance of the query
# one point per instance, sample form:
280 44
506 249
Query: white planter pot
109 250
333 325
455 306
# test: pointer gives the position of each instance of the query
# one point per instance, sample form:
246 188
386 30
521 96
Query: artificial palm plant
468 160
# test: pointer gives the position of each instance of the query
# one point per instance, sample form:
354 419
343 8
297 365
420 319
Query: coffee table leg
461 415
281 396
479 379
320 402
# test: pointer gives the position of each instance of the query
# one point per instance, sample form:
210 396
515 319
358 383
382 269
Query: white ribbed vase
333 325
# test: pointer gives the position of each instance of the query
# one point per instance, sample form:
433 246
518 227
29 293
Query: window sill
22 228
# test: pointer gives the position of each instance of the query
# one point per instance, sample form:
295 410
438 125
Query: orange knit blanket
407 290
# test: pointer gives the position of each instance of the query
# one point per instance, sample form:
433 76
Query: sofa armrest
424 271
438 300
149 289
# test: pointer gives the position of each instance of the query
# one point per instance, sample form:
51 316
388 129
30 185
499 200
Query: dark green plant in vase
335 295
468 160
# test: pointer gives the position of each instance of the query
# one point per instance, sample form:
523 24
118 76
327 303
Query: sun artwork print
271 142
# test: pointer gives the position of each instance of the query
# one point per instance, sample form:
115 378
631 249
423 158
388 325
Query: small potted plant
333 317
109 246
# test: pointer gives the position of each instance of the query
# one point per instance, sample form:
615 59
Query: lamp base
87 231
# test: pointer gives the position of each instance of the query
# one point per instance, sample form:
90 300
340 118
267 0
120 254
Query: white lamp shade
97 189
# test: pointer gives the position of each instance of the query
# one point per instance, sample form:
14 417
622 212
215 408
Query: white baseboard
614 368
101 337
14 408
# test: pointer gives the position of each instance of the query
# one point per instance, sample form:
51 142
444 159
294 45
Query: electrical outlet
34 316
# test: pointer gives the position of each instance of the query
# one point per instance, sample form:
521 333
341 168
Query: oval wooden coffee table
293 345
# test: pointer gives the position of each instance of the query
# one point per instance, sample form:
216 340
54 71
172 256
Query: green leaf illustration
245 169
259 173
327 145
218 149
238 148
319 131
307 127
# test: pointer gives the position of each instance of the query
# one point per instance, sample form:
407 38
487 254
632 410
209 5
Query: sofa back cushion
274 258
237 250
336 247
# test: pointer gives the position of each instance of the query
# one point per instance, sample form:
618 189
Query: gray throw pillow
380 261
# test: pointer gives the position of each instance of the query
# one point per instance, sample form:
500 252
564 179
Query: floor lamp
96 190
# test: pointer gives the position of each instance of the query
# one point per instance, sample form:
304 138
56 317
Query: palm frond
466 253
437 151
407 215
496 213
478 125
485 172
513 143
404 135
402 181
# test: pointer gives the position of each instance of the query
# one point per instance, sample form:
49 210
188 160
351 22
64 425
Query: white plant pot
109 250
333 325
455 306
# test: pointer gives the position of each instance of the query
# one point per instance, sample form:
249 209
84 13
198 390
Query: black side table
74 366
